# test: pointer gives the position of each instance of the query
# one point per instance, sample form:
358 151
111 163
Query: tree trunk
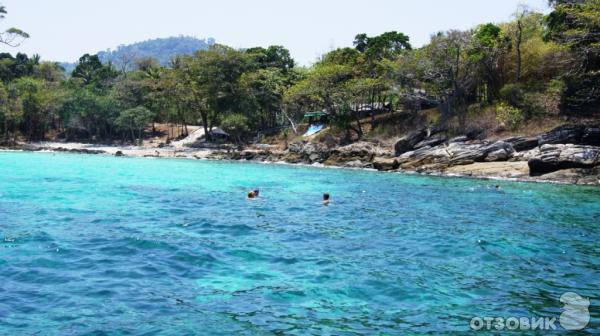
204 116
519 40
291 122
359 127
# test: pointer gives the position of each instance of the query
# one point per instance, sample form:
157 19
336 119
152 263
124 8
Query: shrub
509 115
513 94
546 102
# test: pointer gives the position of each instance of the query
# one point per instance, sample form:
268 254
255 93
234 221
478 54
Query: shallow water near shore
170 247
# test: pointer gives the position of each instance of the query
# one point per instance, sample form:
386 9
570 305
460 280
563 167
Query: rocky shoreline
567 154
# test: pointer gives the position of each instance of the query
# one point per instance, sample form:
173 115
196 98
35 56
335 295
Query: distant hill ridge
162 49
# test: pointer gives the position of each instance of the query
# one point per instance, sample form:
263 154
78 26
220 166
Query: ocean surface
130 246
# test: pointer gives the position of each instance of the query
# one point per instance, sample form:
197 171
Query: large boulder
564 134
526 155
498 151
457 153
589 176
563 156
520 144
425 155
408 142
466 153
385 164
307 153
363 151
431 141
591 136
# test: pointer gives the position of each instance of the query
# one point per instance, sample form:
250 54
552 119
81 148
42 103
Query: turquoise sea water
105 245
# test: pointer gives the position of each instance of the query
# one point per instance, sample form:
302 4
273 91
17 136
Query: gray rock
463 153
591 136
590 176
498 151
408 142
314 157
565 134
432 141
363 151
385 164
460 138
498 155
563 156
425 155
522 143
526 155
356 164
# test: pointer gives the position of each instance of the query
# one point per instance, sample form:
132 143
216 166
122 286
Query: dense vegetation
534 66
161 49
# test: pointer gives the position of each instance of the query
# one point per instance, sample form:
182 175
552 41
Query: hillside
162 49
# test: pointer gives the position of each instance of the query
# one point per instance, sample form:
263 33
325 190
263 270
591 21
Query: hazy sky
63 30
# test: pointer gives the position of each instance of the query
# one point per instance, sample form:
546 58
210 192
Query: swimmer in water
325 198
251 195
497 187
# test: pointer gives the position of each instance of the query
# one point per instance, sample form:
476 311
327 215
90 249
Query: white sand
177 150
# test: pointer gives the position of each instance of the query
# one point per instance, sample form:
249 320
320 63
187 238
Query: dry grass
166 131
390 126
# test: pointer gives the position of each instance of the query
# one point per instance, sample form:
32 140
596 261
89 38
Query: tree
92 71
236 125
382 46
576 25
272 57
212 77
447 71
490 45
134 120
11 111
263 92
31 101
520 15
326 87
4 109
12 36
49 72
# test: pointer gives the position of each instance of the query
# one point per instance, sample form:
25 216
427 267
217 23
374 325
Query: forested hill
162 49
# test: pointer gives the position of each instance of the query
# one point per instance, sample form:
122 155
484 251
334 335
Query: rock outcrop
408 142
563 156
457 153
572 134
385 164
522 143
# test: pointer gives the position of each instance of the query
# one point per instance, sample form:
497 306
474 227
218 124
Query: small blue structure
316 122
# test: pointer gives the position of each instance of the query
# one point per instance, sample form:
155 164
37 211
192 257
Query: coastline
516 171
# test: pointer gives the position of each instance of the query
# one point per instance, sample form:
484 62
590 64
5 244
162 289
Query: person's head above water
251 194
325 198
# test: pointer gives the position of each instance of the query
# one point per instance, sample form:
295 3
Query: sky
63 30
